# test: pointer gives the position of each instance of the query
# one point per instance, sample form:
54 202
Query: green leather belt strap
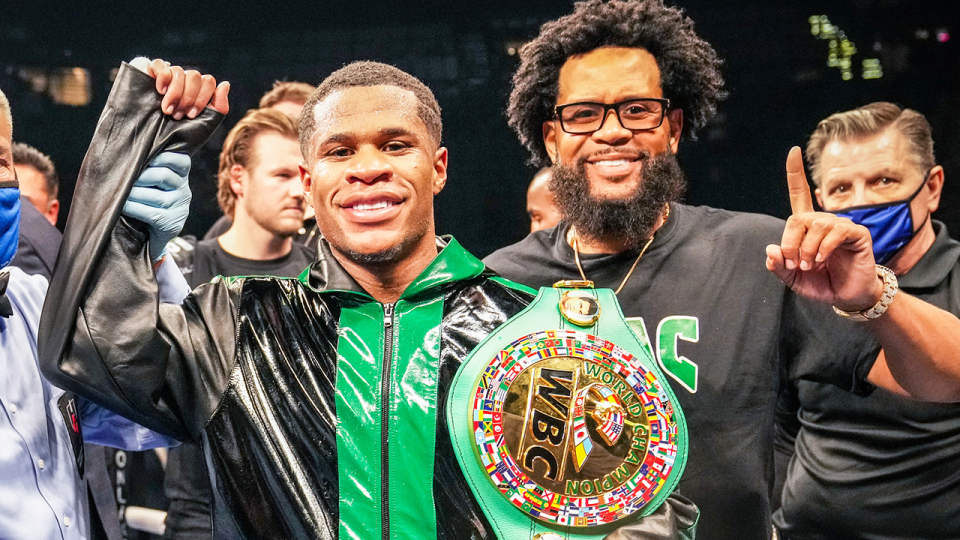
560 394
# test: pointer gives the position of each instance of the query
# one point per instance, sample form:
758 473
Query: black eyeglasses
633 114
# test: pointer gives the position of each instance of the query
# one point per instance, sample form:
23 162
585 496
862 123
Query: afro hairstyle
689 67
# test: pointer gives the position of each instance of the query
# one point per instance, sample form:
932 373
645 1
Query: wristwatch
890 289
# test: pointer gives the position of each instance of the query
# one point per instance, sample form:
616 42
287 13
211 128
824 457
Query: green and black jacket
317 407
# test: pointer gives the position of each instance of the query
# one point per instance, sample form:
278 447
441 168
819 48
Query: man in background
39 208
880 467
288 98
541 205
259 188
39 181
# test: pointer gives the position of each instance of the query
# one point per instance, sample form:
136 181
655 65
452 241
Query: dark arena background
789 63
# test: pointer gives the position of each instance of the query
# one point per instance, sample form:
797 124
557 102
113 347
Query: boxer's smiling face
372 173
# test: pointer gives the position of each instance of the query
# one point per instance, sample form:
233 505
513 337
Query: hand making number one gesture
822 256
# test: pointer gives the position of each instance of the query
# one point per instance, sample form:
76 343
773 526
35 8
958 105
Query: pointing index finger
800 201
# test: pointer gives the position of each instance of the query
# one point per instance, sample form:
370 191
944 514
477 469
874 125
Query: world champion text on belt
572 429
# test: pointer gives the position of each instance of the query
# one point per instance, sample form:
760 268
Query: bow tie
6 309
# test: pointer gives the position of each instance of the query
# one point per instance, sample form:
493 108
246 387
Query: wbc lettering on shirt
670 332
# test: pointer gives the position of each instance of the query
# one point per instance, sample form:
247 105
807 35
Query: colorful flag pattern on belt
586 502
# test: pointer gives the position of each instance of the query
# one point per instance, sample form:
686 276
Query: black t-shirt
308 235
727 332
209 260
187 483
883 467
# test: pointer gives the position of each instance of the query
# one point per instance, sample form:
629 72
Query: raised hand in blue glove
161 199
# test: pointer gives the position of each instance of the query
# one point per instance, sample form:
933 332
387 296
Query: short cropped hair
295 92
367 73
689 67
238 148
24 154
868 121
5 110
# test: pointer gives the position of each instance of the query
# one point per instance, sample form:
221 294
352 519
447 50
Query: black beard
389 255
630 219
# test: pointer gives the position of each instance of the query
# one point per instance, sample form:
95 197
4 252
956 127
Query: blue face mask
9 220
890 224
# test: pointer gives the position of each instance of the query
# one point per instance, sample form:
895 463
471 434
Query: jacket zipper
385 420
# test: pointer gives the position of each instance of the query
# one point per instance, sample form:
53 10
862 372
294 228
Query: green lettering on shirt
669 331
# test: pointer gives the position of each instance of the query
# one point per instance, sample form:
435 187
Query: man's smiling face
613 156
372 172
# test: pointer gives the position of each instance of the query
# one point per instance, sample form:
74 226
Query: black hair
689 67
370 74
24 154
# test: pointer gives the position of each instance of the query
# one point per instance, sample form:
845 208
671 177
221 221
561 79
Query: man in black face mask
876 166
605 95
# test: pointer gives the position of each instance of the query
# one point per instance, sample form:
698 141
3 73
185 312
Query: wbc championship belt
562 421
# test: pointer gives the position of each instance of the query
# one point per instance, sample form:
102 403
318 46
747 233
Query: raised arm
104 334
830 259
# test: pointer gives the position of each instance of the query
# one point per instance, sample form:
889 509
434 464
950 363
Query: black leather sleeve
103 333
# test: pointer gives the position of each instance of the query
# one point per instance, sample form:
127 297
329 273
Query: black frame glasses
596 122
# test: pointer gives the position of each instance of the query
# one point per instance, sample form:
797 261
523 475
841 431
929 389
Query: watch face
572 429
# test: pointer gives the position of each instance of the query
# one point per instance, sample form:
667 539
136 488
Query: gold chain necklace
576 254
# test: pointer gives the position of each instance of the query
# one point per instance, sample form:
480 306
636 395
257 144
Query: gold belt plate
573 429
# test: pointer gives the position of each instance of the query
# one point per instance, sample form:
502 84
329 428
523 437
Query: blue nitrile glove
161 199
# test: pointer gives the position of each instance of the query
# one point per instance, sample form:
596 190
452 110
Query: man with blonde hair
881 466
287 97
258 188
